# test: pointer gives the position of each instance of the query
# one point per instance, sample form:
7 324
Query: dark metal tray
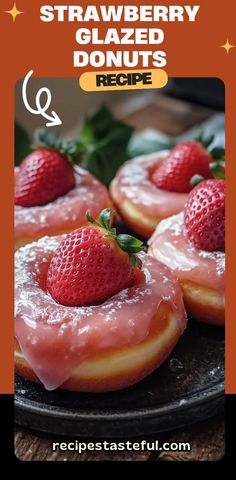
187 388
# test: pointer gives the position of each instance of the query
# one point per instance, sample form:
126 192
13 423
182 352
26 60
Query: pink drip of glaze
55 339
66 212
170 244
133 183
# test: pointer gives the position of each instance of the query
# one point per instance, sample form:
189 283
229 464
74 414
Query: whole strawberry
205 215
93 263
183 162
43 176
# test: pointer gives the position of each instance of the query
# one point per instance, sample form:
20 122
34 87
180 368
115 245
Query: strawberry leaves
101 147
217 166
196 179
105 219
130 245
103 143
45 138
127 243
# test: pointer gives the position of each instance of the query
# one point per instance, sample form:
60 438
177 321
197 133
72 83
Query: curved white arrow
41 110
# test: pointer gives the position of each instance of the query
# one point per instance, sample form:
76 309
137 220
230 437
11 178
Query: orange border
193 50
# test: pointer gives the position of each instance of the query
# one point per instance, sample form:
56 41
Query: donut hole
41 276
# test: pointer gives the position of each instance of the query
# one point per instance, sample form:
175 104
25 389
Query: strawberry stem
46 139
127 243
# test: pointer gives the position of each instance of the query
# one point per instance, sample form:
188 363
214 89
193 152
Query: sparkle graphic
227 46
14 12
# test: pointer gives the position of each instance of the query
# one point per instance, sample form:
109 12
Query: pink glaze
55 339
170 245
65 213
133 183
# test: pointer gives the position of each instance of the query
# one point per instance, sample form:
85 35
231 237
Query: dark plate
187 388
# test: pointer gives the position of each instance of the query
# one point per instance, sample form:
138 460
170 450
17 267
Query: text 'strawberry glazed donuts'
92 313
192 244
152 187
52 195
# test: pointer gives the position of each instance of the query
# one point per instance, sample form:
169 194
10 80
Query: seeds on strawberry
205 215
92 264
43 176
184 161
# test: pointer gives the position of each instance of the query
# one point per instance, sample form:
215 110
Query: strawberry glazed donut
94 348
62 214
200 272
138 200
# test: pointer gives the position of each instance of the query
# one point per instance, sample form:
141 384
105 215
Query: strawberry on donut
152 187
52 195
192 244
93 313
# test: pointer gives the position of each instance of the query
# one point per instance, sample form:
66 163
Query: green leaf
22 144
207 141
143 143
196 179
134 261
128 243
90 219
218 169
102 144
218 153
105 218
96 124
44 137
